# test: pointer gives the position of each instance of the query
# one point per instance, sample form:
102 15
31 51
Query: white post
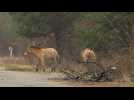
10 51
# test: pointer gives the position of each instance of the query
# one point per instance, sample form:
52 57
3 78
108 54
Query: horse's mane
35 47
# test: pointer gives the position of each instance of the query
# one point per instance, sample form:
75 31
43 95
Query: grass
14 64
131 84
16 67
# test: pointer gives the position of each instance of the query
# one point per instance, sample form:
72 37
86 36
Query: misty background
105 32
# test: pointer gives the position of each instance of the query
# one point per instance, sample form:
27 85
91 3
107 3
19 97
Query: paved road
32 79
29 79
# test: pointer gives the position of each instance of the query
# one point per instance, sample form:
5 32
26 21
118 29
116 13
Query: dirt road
32 79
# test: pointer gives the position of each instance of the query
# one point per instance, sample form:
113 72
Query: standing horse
45 56
87 56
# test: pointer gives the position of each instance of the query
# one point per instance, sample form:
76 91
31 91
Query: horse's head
27 52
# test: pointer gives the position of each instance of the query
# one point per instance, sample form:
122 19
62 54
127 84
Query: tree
8 27
108 31
36 24
102 31
31 24
105 30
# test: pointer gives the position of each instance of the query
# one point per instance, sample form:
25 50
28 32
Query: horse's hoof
44 70
36 70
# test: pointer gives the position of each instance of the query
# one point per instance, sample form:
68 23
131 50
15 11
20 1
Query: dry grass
15 63
13 60
16 67
124 60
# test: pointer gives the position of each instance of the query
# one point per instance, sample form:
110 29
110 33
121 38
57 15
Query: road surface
33 79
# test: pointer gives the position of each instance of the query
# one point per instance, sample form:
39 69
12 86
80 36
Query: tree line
102 31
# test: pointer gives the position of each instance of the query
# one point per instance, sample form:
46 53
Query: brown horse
45 56
88 55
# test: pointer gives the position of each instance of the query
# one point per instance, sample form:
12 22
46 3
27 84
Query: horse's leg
57 62
35 67
54 64
44 67
50 64
38 67
51 67
87 61
43 64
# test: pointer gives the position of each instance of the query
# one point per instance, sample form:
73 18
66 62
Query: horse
88 56
45 56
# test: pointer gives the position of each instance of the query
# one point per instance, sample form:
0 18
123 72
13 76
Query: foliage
8 27
105 30
99 30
